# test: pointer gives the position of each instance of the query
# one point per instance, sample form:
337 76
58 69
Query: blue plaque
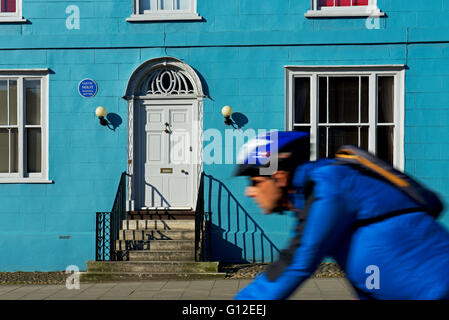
87 88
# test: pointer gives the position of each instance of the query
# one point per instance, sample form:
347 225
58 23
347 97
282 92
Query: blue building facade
371 73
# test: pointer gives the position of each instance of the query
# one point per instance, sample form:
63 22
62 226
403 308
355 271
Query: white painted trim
172 98
20 102
339 14
370 10
164 17
135 101
45 125
20 76
13 17
8 19
400 121
196 145
163 101
372 113
24 72
343 68
314 117
398 71
25 180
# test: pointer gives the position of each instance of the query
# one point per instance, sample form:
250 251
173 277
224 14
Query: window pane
343 99
167 4
339 136
33 101
8 6
13 102
14 150
145 5
359 2
364 103
4 150
385 99
323 99
385 143
342 3
34 152
302 100
322 142
4 102
183 4
326 3
302 129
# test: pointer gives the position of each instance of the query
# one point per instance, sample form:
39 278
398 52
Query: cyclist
365 223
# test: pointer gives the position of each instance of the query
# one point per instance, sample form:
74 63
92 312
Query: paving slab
151 285
221 297
313 289
193 285
178 285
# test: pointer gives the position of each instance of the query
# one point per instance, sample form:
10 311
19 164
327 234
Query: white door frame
196 145
136 95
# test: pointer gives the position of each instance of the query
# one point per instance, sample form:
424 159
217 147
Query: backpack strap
368 163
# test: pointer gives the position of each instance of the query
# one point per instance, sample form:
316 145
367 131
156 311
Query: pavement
312 289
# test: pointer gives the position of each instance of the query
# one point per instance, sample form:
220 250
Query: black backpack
370 164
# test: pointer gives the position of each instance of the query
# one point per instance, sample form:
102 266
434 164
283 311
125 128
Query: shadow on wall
234 235
239 119
114 121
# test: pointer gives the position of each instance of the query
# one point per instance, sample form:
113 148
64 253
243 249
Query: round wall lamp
226 111
100 112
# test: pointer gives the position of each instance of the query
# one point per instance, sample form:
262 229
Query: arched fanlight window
167 81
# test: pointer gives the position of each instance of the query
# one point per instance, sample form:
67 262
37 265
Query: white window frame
20 75
9 17
372 71
164 15
371 10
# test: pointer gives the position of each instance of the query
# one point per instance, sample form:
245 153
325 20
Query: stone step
152 266
86 277
159 255
160 214
156 235
158 225
155 245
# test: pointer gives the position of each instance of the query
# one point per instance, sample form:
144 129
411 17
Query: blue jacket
411 250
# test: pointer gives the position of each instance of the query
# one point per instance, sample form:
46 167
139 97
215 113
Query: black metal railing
202 227
108 225
199 217
230 222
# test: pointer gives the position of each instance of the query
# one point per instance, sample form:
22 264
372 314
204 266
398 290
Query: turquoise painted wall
240 50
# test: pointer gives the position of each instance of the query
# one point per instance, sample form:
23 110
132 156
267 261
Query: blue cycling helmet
291 148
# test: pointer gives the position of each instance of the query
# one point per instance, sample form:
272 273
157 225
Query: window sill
343 13
12 20
164 17
25 180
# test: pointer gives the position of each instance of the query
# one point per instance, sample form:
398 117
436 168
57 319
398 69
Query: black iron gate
108 225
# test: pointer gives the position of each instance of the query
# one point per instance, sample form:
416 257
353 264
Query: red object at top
8 6
342 3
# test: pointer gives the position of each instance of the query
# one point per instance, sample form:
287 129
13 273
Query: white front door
169 169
